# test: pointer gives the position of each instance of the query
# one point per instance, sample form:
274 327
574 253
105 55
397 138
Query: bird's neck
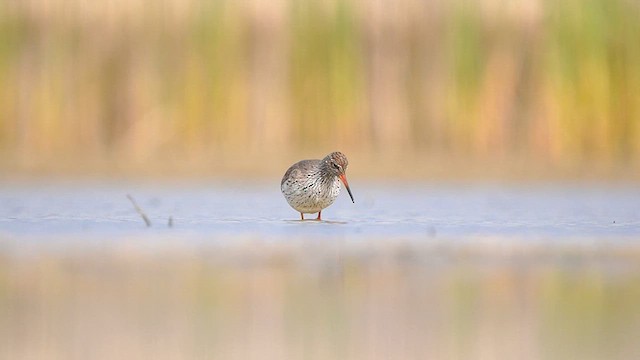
326 176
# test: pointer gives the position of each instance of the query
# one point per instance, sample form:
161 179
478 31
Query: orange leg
301 216
319 215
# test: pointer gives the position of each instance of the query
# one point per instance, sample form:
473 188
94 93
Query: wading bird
312 185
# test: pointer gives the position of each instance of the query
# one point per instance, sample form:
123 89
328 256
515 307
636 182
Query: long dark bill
343 178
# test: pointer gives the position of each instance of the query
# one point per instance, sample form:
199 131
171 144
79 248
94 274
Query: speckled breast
308 196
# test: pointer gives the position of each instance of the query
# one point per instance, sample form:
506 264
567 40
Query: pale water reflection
410 271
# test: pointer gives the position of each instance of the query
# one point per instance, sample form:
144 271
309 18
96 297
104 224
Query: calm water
251 281
219 211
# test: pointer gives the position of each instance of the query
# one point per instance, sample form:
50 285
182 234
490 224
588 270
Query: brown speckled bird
312 185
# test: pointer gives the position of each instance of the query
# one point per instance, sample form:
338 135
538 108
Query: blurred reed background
133 83
192 87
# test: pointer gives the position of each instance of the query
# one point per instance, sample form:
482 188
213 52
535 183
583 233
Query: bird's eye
336 165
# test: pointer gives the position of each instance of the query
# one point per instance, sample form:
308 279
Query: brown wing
295 169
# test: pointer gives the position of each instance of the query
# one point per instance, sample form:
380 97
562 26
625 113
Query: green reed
551 81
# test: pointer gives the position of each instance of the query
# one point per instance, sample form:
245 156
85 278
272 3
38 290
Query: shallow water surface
410 271
383 211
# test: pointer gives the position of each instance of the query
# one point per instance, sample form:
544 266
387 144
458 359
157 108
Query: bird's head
336 164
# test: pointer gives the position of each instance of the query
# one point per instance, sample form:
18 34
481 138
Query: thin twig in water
139 210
